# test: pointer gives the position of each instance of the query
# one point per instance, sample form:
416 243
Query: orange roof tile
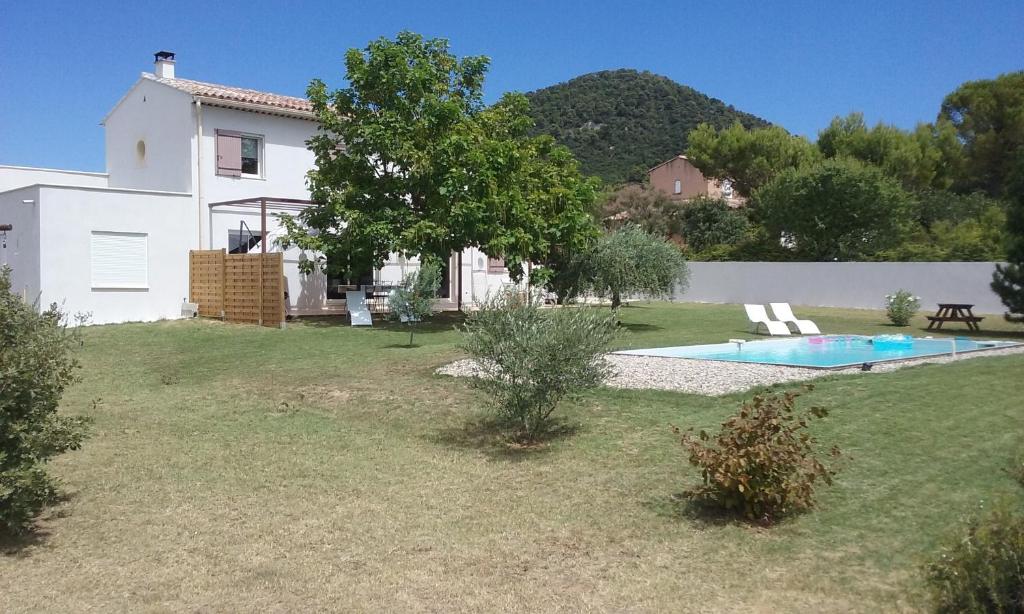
244 97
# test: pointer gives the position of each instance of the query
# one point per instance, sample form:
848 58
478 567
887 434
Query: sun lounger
758 315
784 313
358 312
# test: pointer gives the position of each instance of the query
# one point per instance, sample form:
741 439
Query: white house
116 244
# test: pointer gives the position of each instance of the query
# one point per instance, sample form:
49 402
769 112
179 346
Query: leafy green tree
409 160
707 222
838 209
651 210
988 116
926 158
413 301
36 366
934 206
977 239
631 261
748 158
1008 280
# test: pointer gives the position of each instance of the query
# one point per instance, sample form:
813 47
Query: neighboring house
681 180
116 244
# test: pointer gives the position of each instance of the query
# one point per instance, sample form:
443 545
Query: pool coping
1002 346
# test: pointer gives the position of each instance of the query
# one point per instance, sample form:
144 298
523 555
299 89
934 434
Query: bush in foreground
36 365
533 358
982 570
762 464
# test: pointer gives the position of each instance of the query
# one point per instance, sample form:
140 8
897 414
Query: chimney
163 66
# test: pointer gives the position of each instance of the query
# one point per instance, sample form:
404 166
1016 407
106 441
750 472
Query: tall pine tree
1008 280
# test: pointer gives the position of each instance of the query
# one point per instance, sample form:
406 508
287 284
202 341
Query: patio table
954 312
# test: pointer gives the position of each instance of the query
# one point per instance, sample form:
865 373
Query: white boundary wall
843 284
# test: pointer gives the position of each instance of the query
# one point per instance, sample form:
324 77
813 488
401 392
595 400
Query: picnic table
954 312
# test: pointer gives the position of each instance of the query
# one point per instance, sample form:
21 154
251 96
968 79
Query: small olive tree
632 261
36 365
531 358
414 299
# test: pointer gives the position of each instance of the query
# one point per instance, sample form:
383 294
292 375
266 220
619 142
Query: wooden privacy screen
236 288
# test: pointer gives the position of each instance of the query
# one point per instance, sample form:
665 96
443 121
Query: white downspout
475 254
199 170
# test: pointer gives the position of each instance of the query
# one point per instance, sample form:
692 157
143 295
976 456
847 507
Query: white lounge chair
359 313
784 313
758 315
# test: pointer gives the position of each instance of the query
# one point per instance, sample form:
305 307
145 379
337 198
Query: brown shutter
229 155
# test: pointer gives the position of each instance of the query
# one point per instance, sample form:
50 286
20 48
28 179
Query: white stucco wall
477 282
13 177
860 285
68 216
22 251
162 118
285 161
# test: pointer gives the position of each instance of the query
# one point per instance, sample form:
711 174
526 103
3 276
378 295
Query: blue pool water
825 351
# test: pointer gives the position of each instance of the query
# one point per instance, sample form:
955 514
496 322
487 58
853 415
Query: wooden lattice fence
245 288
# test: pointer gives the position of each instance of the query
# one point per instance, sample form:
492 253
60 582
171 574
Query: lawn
234 468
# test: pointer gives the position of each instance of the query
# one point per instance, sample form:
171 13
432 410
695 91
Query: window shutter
495 265
119 260
229 155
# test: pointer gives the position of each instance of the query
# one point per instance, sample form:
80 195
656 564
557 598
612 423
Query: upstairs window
495 265
678 187
239 155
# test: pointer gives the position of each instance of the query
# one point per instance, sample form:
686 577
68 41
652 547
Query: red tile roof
244 98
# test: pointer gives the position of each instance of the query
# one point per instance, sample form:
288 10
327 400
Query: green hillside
618 122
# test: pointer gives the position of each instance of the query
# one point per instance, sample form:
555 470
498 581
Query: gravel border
716 378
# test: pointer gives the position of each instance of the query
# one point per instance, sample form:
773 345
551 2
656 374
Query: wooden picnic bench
954 312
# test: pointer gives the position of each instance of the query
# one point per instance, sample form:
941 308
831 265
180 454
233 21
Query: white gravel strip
715 378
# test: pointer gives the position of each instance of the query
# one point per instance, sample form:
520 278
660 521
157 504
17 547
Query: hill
619 123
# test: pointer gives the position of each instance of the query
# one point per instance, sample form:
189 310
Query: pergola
262 202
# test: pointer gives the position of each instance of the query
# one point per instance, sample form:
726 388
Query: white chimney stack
164 64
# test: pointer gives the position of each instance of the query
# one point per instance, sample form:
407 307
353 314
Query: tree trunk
411 331
616 300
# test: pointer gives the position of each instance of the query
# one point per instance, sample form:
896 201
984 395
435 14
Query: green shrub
982 569
414 299
36 365
901 306
709 222
532 358
762 464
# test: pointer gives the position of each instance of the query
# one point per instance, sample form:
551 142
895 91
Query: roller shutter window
119 260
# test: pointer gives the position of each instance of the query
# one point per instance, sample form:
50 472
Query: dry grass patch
379 490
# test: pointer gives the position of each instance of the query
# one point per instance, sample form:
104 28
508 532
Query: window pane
243 242
250 155
250 147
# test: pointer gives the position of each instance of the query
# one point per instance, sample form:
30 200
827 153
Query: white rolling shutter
119 259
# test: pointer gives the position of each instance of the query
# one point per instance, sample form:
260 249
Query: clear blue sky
64 65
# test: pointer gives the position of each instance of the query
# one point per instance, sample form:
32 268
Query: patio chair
784 313
359 313
758 315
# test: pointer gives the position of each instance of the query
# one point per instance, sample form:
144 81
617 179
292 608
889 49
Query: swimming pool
825 351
